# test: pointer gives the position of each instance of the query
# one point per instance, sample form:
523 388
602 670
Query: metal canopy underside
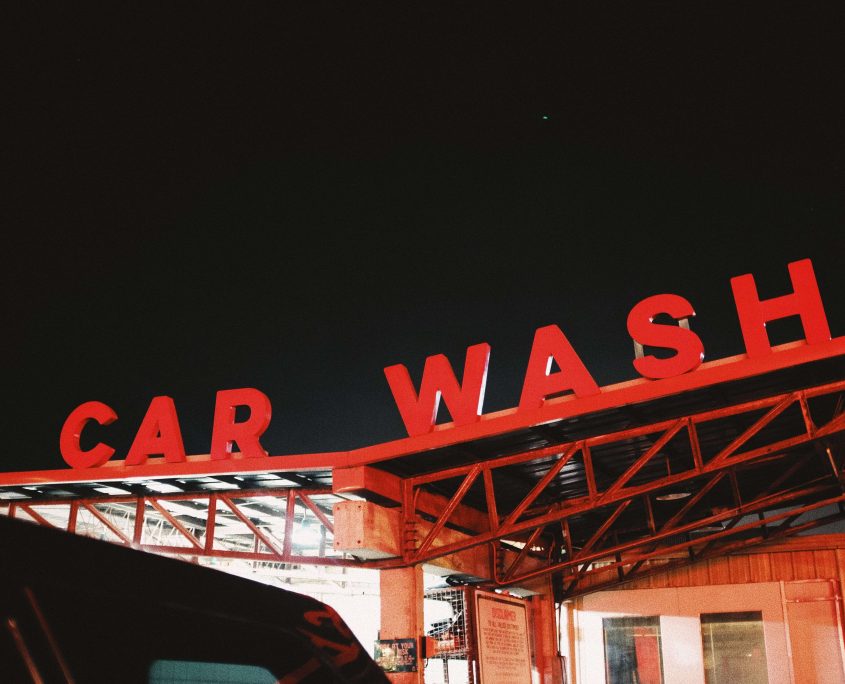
43 491
605 497
593 499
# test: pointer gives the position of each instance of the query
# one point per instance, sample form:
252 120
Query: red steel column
402 614
541 611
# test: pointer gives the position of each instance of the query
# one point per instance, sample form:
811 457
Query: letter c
73 454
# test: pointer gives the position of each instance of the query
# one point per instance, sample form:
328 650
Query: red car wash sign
159 433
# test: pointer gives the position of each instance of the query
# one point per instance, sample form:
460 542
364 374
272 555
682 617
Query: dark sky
205 199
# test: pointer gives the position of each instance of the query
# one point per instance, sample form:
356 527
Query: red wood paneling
804 565
782 566
740 570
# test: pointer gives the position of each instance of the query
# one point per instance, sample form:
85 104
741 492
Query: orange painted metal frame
524 518
204 544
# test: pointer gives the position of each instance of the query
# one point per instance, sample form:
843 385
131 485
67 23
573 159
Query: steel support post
401 593
544 637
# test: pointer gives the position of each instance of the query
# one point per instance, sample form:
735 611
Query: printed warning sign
503 651
396 655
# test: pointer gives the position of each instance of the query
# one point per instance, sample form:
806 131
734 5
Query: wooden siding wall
805 558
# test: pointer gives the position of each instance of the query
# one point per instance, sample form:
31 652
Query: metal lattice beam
547 525
227 524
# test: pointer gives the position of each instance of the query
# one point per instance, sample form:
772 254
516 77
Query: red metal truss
258 525
605 577
539 521
586 509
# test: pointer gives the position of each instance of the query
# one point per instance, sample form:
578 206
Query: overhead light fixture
111 490
672 496
160 487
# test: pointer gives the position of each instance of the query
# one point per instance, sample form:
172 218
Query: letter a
159 433
550 344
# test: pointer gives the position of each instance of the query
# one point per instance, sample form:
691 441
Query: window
734 649
185 672
632 650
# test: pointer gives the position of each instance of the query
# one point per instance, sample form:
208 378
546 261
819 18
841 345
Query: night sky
205 200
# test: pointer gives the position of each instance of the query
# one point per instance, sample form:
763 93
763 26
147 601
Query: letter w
463 401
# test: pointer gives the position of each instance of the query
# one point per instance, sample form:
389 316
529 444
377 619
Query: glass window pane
185 671
632 650
734 649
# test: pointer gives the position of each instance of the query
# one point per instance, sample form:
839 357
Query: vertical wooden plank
782 566
679 577
803 565
699 574
719 571
840 567
641 583
658 581
760 566
825 562
738 568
